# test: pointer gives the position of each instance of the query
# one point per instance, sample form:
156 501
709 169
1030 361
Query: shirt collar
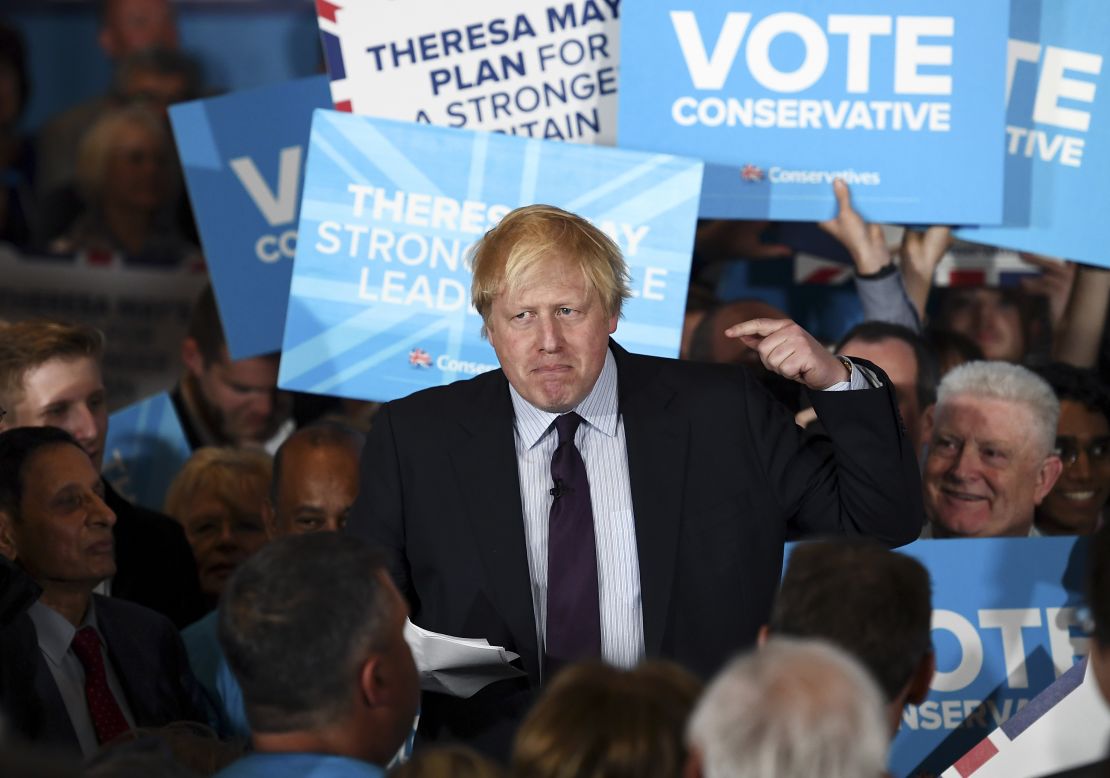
55 633
598 408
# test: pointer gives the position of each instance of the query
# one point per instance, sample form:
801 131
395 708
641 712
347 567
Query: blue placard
1057 132
379 304
905 101
243 156
1005 627
144 451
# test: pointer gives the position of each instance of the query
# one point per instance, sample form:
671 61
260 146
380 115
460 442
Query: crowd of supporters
236 629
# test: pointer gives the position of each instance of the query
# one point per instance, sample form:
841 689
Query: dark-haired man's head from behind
313 630
872 602
906 359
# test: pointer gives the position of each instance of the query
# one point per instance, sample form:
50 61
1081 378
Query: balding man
315 483
315 480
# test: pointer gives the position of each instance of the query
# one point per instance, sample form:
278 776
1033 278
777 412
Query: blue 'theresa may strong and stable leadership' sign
1005 626
904 101
243 156
1057 132
380 301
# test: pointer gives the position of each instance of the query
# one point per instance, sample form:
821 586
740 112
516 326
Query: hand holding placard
865 242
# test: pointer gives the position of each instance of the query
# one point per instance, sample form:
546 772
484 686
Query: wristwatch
848 364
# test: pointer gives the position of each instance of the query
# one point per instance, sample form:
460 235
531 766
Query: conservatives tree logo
751 173
418 357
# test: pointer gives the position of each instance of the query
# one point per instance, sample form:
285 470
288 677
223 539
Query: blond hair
237 477
97 144
527 237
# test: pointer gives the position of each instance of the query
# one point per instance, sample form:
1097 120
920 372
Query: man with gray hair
793 709
992 457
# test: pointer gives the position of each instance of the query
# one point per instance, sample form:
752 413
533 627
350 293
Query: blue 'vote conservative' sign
903 101
1057 132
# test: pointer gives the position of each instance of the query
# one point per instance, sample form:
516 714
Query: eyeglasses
1098 450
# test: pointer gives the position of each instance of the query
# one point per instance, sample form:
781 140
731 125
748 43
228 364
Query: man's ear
1047 477
918 690
372 683
191 356
7 536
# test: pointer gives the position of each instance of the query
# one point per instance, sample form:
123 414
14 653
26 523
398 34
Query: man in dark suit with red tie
587 502
78 669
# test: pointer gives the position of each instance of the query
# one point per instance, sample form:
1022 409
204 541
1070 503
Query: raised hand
791 352
865 242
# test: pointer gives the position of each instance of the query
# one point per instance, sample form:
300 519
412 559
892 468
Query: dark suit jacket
720 478
145 651
154 563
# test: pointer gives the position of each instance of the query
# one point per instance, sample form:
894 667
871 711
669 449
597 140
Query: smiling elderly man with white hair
992 451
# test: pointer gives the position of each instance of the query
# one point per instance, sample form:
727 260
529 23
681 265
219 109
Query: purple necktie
107 717
573 613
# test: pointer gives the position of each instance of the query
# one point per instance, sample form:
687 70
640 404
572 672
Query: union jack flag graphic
750 172
333 52
418 357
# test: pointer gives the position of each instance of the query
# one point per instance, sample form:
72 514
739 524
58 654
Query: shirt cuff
861 378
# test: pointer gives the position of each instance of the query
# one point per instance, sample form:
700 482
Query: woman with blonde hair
218 497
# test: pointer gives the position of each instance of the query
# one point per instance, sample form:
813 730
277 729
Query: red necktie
573 610
107 717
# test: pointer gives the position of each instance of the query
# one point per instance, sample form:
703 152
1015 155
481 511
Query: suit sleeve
378 513
861 478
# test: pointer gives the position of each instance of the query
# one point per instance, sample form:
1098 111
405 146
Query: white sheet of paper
457 666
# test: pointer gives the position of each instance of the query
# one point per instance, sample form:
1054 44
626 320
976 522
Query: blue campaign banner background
379 304
1034 587
1057 194
145 449
784 172
243 156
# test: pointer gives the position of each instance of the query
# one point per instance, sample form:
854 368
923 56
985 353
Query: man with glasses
1075 505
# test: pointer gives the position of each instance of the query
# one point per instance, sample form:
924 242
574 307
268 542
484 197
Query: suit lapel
657 448
486 466
131 666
